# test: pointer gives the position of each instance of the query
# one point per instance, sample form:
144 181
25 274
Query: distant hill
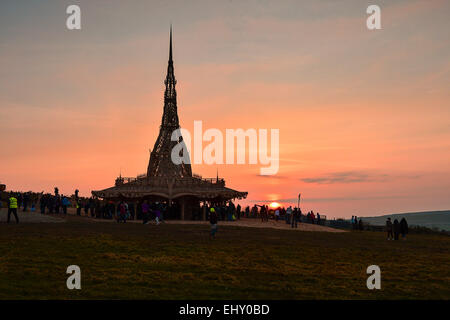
429 219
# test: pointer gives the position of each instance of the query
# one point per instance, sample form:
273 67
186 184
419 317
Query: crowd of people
290 215
57 203
394 230
17 200
157 211
357 224
147 211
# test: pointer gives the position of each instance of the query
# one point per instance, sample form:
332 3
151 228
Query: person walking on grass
403 228
389 227
213 223
145 212
12 208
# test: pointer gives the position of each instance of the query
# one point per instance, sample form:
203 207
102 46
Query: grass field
134 261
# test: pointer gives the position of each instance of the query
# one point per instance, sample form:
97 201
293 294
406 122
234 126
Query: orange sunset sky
364 116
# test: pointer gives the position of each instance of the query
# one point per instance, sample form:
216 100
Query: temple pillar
182 209
204 211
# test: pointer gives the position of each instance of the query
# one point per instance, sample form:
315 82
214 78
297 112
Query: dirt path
256 223
34 217
245 222
28 217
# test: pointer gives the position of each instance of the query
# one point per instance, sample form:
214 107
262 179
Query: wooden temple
173 184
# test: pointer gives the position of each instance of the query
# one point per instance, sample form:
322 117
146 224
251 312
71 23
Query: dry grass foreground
174 261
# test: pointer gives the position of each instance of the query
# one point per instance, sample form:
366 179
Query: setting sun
274 205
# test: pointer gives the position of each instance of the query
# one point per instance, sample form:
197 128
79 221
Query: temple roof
170 188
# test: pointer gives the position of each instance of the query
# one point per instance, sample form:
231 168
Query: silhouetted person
132 210
360 224
43 203
263 213
86 208
277 215
111 209
92 207
396 229
98 209
403 228
288 216
26 199
145 212
389 227
157 212
294 216
51 204
57 203
65 203
123 209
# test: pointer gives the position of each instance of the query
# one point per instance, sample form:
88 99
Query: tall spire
170 49
160 163
170 95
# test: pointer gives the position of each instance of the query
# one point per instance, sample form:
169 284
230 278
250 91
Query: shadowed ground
174 261
28 217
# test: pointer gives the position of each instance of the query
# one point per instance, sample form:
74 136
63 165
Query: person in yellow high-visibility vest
78 207
12 208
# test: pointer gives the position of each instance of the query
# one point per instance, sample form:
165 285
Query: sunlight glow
274 205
